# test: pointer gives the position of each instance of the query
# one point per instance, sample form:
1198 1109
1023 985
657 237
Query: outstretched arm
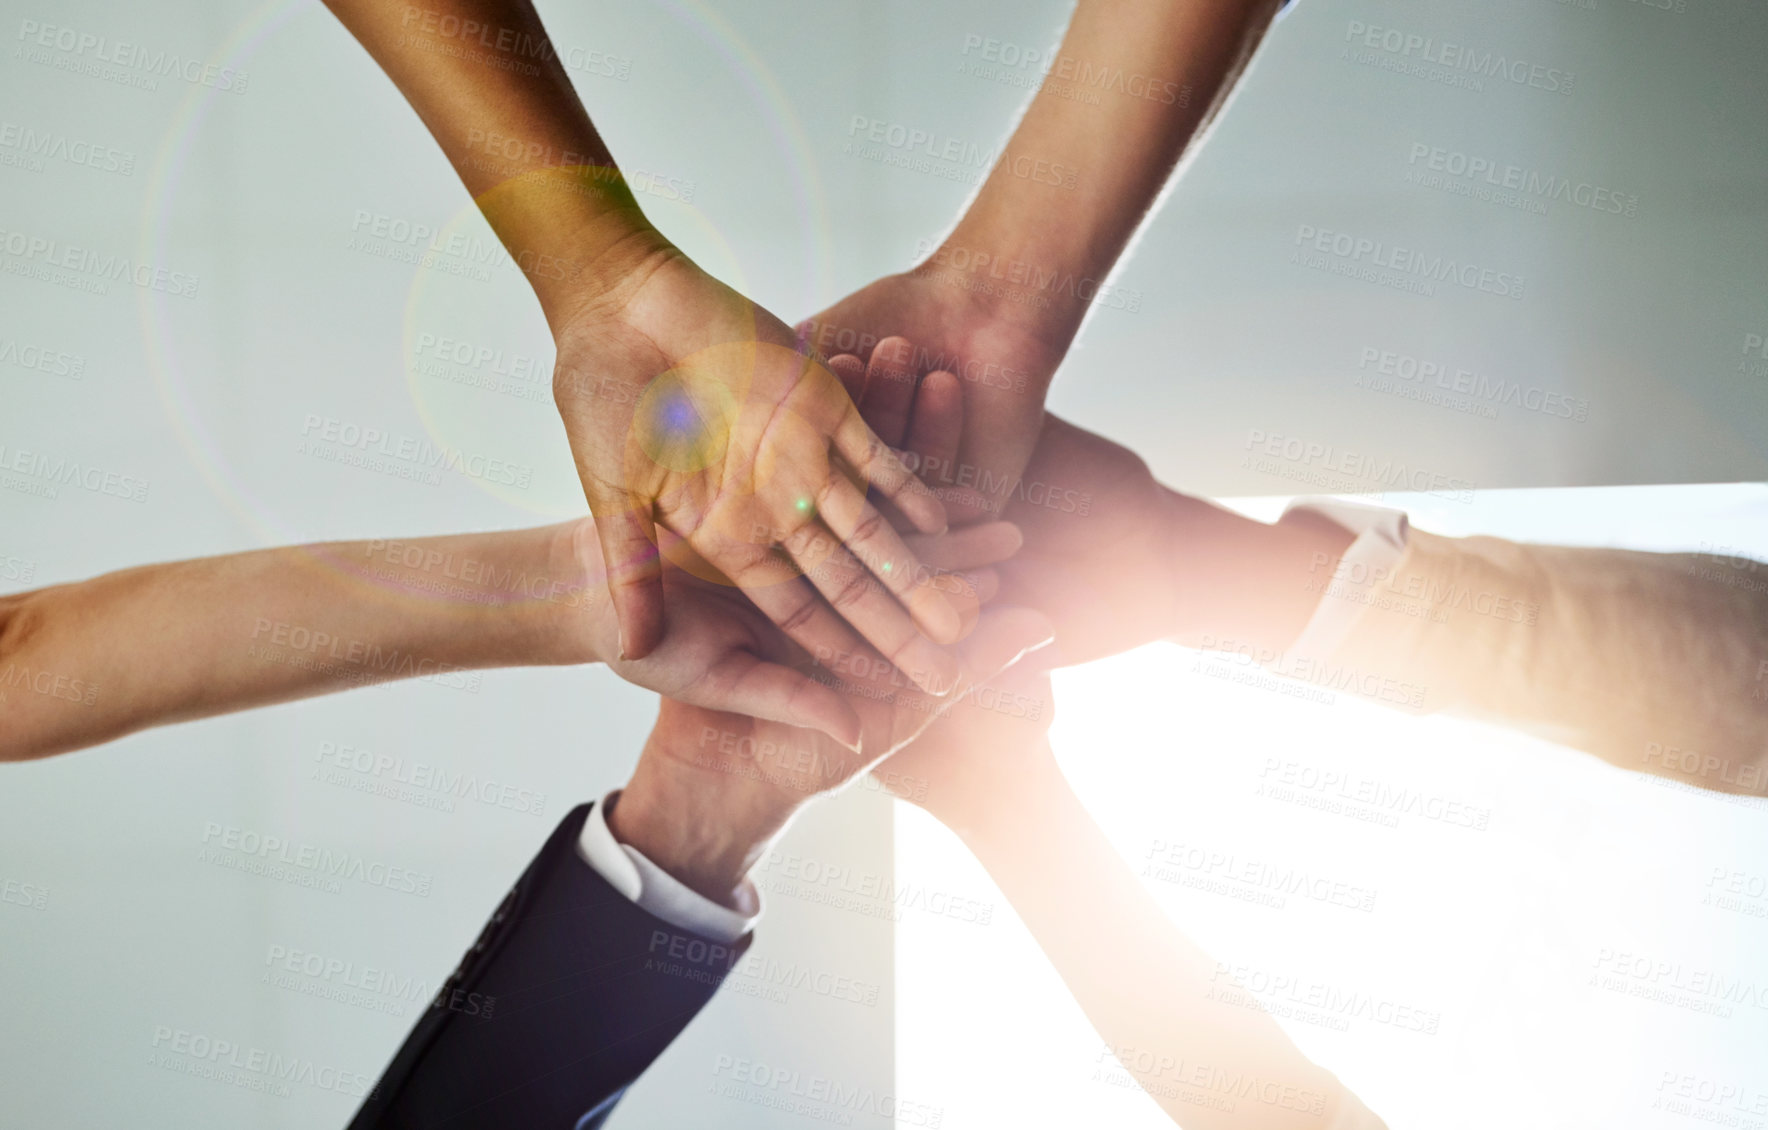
88 662
1152 994
1655 662
687 407
1130 89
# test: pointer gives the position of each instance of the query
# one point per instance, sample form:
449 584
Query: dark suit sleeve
569 993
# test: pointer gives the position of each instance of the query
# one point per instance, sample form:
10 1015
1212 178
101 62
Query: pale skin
92 661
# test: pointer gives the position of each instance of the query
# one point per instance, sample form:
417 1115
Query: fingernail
621 657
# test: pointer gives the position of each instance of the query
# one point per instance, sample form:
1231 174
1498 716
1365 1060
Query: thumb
628 538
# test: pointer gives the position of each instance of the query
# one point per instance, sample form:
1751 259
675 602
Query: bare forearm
1245 583
488 83
88 662
1133 85
1145 986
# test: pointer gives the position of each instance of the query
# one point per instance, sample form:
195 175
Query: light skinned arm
88 662
1153 996
1655 662
1133 86
687 407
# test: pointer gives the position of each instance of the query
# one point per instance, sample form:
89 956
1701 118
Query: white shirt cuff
1380 542
657 892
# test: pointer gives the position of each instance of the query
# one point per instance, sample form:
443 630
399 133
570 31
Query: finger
937 422
985 584
856 594
800 614
934 434
1001 638
968 547
852 372
890 389
746 684
868 537
635 578
874 461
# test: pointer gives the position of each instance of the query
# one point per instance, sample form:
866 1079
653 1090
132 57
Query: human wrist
994 820
1027 266
579 626
705 832
576 232
1243 583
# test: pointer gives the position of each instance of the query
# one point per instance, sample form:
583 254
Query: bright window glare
1488 938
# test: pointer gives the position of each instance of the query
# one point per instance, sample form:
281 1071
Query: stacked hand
1003 352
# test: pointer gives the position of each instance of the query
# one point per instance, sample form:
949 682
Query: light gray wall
1643 318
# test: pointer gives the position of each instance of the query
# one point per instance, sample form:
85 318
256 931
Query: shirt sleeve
1654 662
1379 542
657 892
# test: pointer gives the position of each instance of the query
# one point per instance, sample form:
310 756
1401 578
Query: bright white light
1494 933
